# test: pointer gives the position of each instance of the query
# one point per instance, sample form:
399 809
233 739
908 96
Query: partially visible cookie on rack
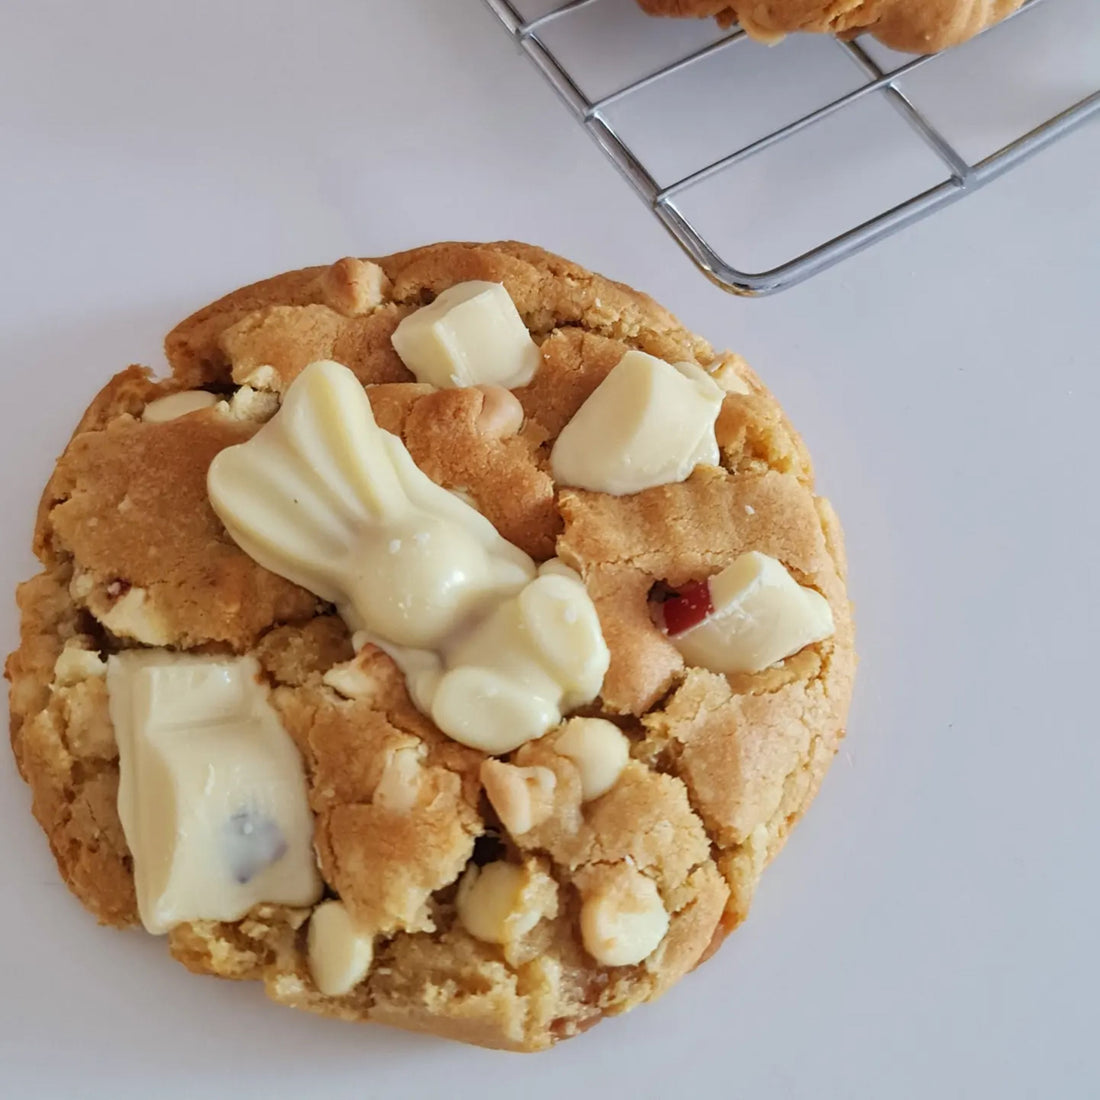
450 641
914 26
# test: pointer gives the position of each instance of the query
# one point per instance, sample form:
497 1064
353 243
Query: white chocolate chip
132 616
647 423
265 378
257 406
727 377
557 567
598 749
501 902
761 616
624 921
349 680
340 954
501 413
487 897
399 785
339 492
522 797
471 334
177 404
74 663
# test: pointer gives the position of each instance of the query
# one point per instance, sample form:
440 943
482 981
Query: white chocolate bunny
324 497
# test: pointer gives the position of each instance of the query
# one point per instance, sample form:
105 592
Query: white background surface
931 930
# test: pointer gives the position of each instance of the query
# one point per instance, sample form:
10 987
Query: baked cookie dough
504 898
915 26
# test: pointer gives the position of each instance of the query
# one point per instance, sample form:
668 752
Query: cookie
198 637
914 26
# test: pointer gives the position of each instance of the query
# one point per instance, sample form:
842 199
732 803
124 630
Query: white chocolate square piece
647 423
759 615
472 334
212 795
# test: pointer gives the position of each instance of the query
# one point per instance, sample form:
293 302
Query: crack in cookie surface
740 757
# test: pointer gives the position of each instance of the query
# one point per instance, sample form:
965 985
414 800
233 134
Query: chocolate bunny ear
295 494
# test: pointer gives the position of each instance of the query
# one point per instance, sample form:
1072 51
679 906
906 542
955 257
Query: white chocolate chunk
349 680
340 954
522 797
399 785
251 404
761 615
625 921
74 663
647 423
178 404
212 794
493 651
513 676
471 334
598 748
133 616
501 903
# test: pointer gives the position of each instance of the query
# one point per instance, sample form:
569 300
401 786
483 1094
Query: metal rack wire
964 175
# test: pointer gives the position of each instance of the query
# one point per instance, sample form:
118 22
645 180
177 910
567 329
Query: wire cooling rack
880 75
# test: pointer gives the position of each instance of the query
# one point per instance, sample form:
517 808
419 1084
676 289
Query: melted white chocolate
623 923
212 795
321 495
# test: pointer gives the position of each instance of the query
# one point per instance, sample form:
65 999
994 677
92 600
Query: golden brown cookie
715 769
915 26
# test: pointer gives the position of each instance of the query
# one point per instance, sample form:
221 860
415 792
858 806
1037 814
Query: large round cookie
721 766
916 26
